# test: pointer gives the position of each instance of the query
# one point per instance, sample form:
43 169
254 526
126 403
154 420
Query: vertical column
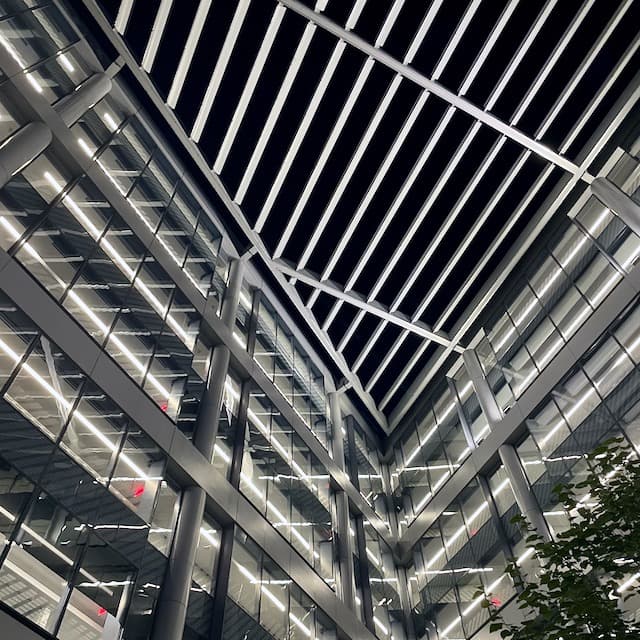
24 146
72 107
361 543
466 429
527 502
485 396
618 201
495 516
223 570
171 609
341 525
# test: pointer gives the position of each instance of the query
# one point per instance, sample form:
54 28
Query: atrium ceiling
390 160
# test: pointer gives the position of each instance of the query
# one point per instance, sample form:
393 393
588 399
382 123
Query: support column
341 526
487 400
171 610
24 146
72 107
527 502
223 570
174 597
466 429
618 201
495 516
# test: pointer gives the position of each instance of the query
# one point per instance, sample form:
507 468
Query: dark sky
426 60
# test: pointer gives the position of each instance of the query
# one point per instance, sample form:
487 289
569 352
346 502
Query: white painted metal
188 53
123 15
326 152
374 309
219 70
457 101
301 132
249 87
157 31
306 121
601 138
397 144
275 112
451 217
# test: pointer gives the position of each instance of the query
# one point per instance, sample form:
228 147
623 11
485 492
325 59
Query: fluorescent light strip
77 415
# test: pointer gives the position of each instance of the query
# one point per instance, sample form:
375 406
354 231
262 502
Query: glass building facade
170 441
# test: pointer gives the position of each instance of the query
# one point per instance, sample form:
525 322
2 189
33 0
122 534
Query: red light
496 602
138 491
102 611
164 406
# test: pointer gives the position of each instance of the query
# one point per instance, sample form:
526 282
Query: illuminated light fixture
104 329
66 63
110 122
77 415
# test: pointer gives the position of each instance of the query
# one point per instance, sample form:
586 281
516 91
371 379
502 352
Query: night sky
481 18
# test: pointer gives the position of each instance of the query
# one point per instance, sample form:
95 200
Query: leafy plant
577 593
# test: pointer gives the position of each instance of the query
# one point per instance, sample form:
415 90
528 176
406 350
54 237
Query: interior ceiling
385 155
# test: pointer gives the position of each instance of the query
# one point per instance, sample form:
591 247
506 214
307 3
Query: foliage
575 594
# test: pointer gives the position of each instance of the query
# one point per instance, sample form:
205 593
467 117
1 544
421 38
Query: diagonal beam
437 89
600 138
157 31
375 309
234 209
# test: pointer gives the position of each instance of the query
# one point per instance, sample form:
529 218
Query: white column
24 146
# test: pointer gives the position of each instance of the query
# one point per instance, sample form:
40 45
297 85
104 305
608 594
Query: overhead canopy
384 157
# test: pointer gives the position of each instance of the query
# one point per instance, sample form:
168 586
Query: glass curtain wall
288 485
87 513
263 602
279 355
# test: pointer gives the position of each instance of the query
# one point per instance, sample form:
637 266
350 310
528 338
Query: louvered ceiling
385 156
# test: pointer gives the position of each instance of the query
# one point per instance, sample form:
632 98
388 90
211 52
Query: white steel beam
329 146
534 189
373 125
249 87
597 142
188 52
401 137
219 70
274 113
451 217
236 212
301 132
306 121
375 309
326 152
578 127
157 31
123 15
457 101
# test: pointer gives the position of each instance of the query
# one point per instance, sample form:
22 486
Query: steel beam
369 307
510 428
235 210
438 90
